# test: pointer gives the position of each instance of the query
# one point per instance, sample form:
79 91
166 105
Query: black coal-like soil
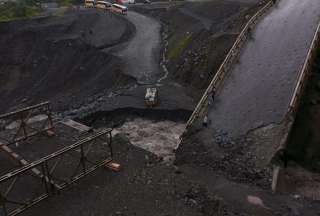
143 187
65 60
60 58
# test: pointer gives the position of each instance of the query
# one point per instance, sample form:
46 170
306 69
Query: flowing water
158 137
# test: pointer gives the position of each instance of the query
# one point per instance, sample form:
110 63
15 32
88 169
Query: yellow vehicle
89 3
151 97
103 5
119 9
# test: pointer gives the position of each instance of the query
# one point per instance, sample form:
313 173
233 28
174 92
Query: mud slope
201 34
59 59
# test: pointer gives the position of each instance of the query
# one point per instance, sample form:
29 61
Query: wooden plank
113 166
76 125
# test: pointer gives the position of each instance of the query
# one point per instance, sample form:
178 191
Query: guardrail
227 63
295 100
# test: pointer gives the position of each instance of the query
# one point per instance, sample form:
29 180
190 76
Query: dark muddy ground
244 158
117 117
221 181
59 59
227 157
146 186
197 37
81 63
78 61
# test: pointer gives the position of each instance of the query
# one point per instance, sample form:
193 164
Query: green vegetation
176 51
66 3
19 9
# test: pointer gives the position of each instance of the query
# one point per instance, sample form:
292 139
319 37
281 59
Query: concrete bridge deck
258 89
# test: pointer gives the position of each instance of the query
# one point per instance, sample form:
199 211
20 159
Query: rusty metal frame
48 182
26 129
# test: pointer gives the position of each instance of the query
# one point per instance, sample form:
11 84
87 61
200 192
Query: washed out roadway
259 87
142 52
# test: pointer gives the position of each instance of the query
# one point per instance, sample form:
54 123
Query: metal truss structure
51 174
23 126
35 181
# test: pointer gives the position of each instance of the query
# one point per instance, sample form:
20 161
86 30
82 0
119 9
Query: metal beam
24 162
26 129
46 173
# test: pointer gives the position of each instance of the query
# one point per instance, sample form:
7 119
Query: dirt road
142 52
258 89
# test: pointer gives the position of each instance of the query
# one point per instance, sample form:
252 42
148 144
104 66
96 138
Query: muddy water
160 138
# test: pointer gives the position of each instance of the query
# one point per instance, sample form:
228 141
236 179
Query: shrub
176 51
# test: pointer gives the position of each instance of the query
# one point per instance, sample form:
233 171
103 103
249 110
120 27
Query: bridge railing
300 86
227 63
296 99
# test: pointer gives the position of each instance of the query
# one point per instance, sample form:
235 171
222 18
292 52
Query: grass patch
68 3
60 12
18 10
176 51
65 3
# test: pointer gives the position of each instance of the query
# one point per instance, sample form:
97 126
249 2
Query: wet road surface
142 53
258 89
